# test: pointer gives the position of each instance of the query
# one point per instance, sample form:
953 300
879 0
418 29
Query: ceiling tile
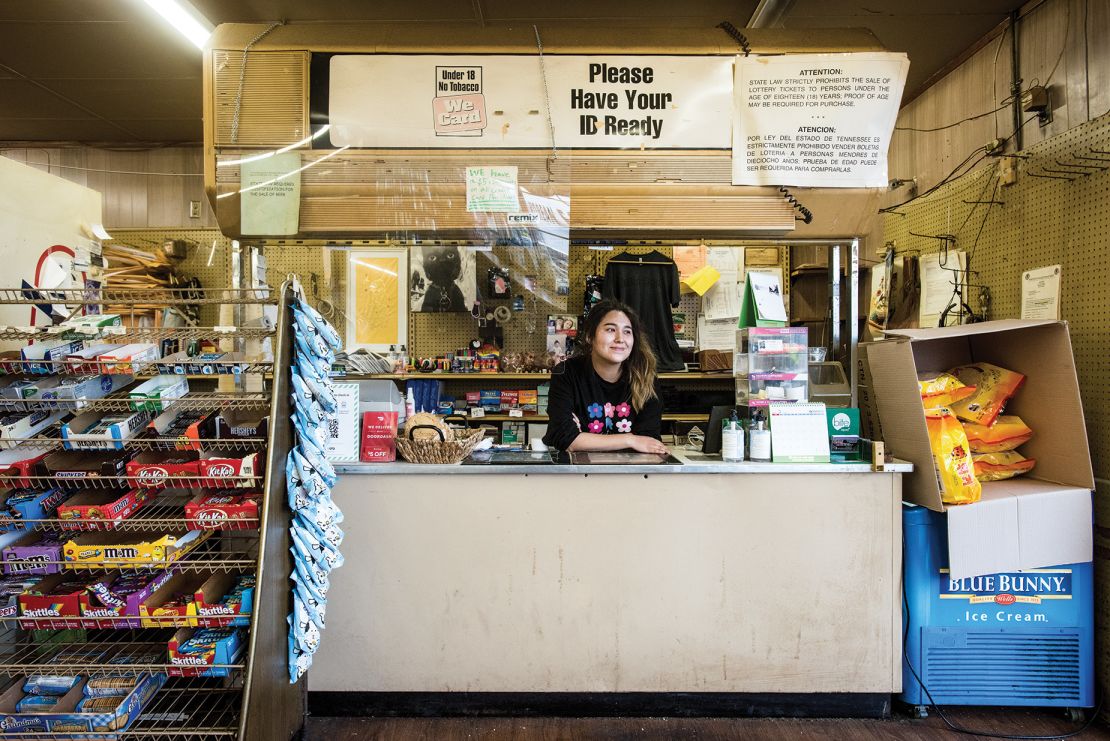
34 102
67 11
167 130
57 130
136 99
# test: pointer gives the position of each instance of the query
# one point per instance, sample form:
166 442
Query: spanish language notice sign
821 120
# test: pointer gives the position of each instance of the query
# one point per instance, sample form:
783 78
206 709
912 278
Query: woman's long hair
639 369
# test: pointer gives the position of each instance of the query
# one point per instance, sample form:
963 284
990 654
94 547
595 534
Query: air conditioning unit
1016 638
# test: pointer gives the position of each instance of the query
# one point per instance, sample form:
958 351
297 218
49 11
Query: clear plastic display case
771 364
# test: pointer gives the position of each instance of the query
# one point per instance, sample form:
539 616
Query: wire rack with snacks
141 595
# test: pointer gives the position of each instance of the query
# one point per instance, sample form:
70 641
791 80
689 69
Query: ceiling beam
68 100
770 13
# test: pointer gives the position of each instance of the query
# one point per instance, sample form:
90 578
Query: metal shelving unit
255 701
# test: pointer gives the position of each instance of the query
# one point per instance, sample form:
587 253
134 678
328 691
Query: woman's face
613 340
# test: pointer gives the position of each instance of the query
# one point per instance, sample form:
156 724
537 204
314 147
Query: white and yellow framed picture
377 299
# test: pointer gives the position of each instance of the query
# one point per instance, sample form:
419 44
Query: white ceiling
112 71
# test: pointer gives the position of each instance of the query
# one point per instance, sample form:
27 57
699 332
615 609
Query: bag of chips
941 389
994 387
1007 432
1004 465
952 456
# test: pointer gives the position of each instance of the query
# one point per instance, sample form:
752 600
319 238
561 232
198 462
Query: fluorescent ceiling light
184 18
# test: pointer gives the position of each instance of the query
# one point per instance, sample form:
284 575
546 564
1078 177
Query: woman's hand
645 444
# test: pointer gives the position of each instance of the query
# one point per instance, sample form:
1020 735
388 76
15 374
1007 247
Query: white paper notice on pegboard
816 120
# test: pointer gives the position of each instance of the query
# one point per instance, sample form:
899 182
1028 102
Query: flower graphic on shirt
596 427
623 410
608 409
594 410
624 425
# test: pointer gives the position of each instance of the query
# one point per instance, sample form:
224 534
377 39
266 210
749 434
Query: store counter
736 578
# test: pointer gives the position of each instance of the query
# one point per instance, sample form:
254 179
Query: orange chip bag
955 471
998 466
1007 432
941 389
994 387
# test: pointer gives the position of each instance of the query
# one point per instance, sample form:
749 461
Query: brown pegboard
208 258
1044 221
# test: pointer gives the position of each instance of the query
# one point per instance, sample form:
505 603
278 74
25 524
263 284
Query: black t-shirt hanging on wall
649 285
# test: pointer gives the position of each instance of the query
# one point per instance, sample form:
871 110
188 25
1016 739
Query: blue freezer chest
1014 638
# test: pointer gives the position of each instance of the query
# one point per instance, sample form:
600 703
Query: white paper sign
1040 293
767 290
270 203
820 120
941 287
722 300
716 335
342 438
492 189
490 100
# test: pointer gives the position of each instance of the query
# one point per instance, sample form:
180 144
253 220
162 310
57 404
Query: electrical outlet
1007 171
194 209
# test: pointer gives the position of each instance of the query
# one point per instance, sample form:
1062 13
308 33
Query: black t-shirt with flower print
581 401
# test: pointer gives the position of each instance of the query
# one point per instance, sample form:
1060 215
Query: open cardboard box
64 721
1038 520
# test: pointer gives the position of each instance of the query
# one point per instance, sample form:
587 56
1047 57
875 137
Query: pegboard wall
322 268
1056 213
208 258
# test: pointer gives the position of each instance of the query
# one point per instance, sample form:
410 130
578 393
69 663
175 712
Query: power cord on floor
940 713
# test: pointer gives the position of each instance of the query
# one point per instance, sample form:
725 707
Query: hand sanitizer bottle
732 439
760 438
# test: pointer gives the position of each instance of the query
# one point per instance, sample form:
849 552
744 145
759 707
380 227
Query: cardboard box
154 469
189 427
42 356
222 472
151 394
211 663
78 389
101 608
237 423
52 611
1039 520
161 610
98 550
22 461
26 424
97 509
18 507
219 511
63 465
129 359
378 442
85 361
33 554
213 612
65 722
100 431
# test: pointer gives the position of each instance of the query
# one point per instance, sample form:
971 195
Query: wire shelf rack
223 555
142 650
121 402
62 481
135 334
213 368
163 296
188 710
245 444
163 513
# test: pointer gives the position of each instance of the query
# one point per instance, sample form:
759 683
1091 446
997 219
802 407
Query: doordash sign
514 101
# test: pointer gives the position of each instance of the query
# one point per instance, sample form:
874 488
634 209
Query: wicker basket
439 451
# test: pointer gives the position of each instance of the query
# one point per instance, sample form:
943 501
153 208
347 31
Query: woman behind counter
603 398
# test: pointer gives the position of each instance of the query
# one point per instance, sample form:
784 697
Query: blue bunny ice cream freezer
1008 638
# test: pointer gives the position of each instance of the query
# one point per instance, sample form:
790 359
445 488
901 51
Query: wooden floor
1010 722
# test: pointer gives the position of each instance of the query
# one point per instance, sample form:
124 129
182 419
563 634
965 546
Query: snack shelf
104 653
246 444
168 621
145 369
134 334
121 402
161 296
536 376
165 513
15 481
239 555
188 710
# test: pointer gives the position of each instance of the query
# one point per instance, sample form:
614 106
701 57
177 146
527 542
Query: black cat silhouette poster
443 279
